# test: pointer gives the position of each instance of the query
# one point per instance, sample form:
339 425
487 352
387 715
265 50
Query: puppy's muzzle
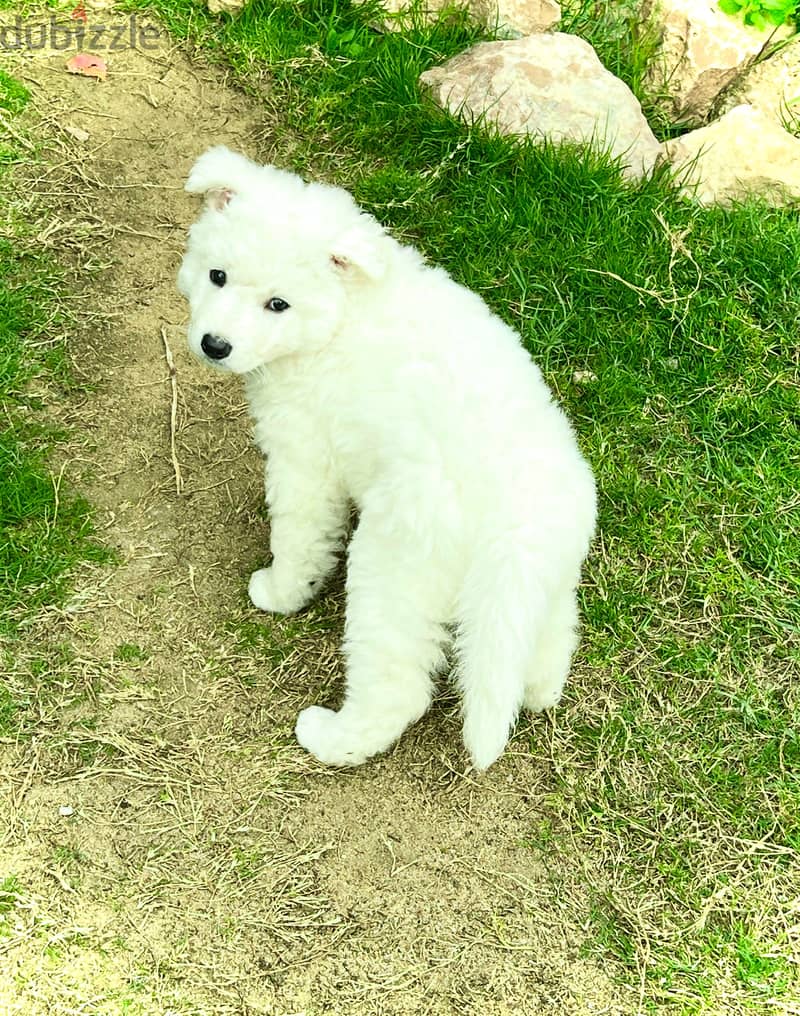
214 347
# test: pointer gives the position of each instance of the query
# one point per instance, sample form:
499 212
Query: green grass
277 641
10 891
33 8
44 529
676 772
129 652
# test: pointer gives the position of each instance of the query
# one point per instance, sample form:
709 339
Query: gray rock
702 51
552 86
771 85
743 154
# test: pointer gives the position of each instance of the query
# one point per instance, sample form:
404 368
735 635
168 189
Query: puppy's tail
501 613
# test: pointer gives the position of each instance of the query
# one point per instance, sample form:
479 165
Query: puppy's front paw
267 594
322 733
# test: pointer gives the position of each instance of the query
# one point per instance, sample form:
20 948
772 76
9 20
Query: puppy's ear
360 249
218 174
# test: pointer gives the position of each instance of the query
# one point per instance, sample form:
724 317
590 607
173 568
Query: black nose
215 347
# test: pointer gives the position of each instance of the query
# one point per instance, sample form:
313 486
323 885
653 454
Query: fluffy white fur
388 385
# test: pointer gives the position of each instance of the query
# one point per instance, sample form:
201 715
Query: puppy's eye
276 304
218 277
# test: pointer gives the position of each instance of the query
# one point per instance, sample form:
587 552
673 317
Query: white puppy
377 380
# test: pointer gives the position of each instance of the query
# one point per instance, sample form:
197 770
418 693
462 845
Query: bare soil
176 851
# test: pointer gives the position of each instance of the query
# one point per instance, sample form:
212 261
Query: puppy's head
272 264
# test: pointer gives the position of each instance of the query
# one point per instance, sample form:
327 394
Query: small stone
76 132
66 810
519 16
226 6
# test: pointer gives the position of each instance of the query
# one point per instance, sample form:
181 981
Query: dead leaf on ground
89 65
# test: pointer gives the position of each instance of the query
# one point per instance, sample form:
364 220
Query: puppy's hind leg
393 645
550 663
500 614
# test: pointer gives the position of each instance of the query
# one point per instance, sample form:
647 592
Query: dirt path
176 851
